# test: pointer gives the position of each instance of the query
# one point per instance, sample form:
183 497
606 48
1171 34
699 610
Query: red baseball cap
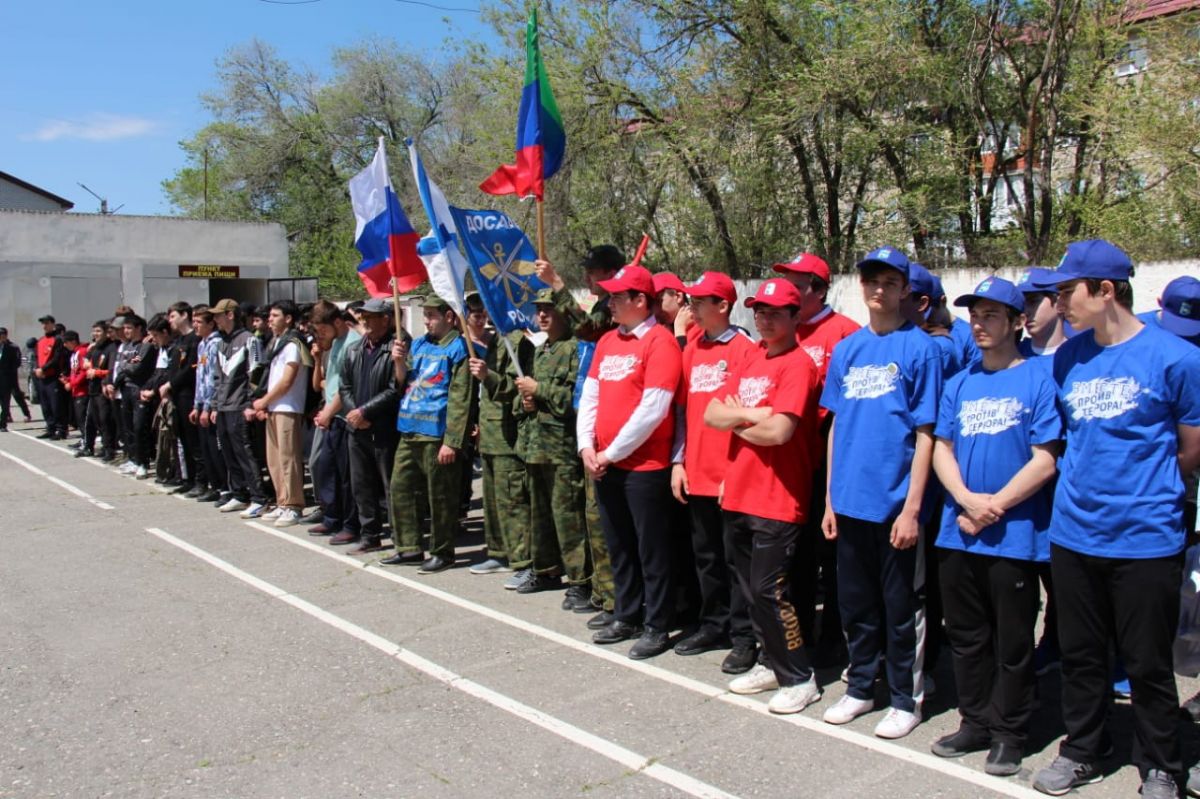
776 292
630 278
806 264
668 280
714 284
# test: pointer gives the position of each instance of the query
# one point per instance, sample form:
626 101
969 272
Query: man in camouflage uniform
546 411
505 490
434 421
599 263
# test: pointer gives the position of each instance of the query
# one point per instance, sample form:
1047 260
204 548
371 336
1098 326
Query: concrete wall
79 267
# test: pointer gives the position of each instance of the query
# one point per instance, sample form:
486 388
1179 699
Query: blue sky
102 93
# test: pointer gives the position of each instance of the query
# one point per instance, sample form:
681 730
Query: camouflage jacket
585 326
547 434
497 424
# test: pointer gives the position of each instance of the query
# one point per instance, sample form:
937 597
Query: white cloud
95 127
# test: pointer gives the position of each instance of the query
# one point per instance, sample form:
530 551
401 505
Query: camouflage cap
544 296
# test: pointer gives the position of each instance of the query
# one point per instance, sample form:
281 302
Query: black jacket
384 399
10 364
138 370
181 369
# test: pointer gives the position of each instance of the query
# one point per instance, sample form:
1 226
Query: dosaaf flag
501 259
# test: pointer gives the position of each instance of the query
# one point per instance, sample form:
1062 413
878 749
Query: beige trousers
285 461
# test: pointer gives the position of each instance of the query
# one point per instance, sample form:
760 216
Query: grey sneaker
1064 774
518 579
490 566
1193 781
1159 785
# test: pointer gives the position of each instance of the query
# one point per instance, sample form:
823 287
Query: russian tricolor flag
541 139
382 232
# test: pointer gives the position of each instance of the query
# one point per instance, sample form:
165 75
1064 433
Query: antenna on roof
103 201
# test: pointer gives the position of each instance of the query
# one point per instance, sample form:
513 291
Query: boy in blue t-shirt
882 390
1131 395
997 437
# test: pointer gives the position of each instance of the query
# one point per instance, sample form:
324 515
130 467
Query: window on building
1133 58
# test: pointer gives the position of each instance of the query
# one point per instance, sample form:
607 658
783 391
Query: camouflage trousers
417 472
558 522
506 509
604 591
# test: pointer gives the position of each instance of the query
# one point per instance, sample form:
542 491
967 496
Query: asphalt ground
153 647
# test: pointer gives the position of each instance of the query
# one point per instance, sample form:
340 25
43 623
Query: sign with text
209 271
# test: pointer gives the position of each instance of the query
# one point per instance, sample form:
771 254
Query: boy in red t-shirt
710 360
772 411
625 429
819 330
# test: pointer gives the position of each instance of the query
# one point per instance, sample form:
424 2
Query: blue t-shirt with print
426 397
992 419
880 390
1120 490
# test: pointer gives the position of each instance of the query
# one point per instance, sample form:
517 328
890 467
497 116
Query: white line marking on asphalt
88 461
809 723
58 482
601 746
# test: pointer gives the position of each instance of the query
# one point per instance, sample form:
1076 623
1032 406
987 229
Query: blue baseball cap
1181 307
1094 258
996 289
920 279
1038 280
887 256
938 290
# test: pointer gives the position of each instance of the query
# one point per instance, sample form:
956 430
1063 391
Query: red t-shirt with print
775 482
707 368
818 338
624 366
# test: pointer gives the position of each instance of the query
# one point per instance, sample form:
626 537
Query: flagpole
462 322
396 307
541 230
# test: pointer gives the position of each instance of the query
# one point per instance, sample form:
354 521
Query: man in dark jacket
181 387
370 399
240 360
49 367
10 377
101 409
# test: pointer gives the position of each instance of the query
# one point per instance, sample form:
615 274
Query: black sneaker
1064 774
740 659
540 582
1003 760
578 599
959 743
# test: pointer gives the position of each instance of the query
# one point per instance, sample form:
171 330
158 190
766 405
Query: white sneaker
128 467
254 511
287 518
273 515
232 505
897 723
755 681
847 709
794 698
142 473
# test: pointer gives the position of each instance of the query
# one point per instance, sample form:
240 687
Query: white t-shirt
293 400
